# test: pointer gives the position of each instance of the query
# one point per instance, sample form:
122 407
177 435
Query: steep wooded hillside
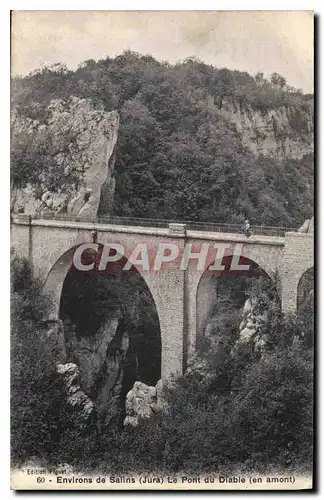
194 142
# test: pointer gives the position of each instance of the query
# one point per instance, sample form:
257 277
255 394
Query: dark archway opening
305 292
112 332
221 296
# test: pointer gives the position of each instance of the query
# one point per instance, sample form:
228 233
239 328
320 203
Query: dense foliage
178 156
262 421
253 411
37 396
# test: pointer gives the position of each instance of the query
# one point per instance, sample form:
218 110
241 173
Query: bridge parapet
23 219
175 227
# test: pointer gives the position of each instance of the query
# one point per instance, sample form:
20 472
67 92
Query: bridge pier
297 258
21 236
167 290
289 295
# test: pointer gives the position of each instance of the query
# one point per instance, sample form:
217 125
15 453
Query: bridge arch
166 297
54 280
203 287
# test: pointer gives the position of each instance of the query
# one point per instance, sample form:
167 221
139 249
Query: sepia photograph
162 250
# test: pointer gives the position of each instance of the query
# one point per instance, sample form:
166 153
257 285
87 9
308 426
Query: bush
255 413
40 420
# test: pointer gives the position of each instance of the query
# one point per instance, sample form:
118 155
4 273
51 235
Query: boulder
143 401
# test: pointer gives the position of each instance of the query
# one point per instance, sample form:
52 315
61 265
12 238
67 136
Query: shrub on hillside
260 419
41 426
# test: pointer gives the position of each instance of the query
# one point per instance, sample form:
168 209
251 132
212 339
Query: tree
278 81
259 78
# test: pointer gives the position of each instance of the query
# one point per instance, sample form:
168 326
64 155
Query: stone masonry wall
298 257
174 291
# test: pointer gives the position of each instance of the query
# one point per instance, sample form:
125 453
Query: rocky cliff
53 338
92 369
101 359
68 155
282 132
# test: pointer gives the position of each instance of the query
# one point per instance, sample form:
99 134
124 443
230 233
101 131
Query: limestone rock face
92 369
90 353
52 335
284 132
250 326
248 333
79 141
80 402
101 359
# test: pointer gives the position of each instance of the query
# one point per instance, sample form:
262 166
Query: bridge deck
153 224
210 232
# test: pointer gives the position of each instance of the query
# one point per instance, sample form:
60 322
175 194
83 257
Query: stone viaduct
183 298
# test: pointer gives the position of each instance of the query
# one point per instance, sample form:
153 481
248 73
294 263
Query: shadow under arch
64 268
305 290
210 290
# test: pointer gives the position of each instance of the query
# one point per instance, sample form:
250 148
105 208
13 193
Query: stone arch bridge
183 297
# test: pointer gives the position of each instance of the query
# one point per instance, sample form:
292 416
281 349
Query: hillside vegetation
254 411
180 154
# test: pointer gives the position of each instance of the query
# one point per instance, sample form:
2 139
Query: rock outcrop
249 329
143 401
75 143
92 369
52 335
82 405
248 333
307 227
283 132
101 359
